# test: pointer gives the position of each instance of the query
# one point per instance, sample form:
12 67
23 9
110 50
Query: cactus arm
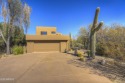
99 26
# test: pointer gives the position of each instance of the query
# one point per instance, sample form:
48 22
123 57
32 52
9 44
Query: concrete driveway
45 68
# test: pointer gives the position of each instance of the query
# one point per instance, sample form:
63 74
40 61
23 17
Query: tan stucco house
47 40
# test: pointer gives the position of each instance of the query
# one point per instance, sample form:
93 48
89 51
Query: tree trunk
8 39
8 45
9 36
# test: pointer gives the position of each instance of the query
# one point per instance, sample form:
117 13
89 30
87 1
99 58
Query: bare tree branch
26 19
1 34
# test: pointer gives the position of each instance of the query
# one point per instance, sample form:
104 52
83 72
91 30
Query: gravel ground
112 69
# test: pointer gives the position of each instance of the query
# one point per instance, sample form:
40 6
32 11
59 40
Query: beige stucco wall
47 37
47 29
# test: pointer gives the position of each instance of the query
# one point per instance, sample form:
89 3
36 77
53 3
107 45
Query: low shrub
79 54
102 49
118 55
17 50
82 58
111 50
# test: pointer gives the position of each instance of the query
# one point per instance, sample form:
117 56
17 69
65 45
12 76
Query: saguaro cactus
94 29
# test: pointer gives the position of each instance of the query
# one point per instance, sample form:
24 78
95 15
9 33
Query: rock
102 62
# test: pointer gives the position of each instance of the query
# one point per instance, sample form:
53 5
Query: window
53 32
43 33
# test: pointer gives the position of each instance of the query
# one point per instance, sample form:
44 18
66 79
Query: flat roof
45 27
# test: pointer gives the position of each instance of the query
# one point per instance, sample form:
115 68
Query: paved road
45 68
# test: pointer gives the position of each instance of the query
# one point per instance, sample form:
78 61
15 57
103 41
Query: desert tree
83 37
26 19
14 13
4 15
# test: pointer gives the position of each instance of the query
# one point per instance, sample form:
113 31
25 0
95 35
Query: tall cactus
94 29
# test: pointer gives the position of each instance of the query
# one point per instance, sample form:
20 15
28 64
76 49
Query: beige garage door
41 46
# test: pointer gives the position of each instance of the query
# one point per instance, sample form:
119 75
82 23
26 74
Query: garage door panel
46 46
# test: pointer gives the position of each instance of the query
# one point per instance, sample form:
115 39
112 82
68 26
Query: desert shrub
17 50
102 49
111 42
118 55
110 50
79 54
82 58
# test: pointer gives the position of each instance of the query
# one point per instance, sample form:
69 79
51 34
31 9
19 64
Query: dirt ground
112 69
46 68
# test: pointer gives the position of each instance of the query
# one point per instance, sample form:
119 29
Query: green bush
17 50
118 55
82 58
79 54
111 50
102 49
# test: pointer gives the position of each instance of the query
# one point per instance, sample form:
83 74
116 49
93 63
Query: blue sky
69 15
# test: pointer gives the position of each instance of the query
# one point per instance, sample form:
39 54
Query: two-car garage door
44 46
